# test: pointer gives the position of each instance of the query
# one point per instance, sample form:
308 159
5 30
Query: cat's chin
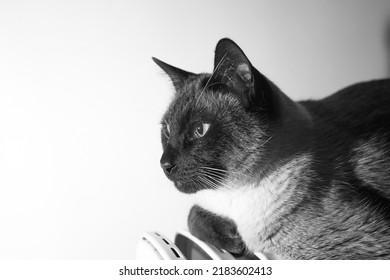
186 187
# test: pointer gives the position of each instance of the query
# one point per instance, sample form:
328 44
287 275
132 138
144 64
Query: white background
81 101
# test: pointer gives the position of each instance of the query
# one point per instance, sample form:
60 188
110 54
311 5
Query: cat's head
217 127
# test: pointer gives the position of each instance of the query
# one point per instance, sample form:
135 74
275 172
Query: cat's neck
288 123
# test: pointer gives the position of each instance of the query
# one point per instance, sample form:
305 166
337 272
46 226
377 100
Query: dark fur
341 206
223 232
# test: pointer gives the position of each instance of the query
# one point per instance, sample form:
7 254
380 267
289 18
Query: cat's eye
166 130
201 129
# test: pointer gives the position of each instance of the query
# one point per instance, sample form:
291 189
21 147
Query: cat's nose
168 167
168 160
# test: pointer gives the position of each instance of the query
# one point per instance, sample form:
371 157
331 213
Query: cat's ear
233 69
177 76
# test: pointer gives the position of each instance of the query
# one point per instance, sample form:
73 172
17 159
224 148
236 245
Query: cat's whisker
208 183
213 84
204 176
220 170
211 168
193 180
216 172
218 182
221 176
212 74
200 182
217 178
266 141
211 184
235 175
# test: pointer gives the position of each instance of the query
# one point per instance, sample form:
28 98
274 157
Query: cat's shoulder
360 107
375 91
363 94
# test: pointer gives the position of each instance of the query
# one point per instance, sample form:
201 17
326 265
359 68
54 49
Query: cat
302 180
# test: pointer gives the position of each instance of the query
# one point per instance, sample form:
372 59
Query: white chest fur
253 207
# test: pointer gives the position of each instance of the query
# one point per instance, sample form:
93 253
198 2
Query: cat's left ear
177 76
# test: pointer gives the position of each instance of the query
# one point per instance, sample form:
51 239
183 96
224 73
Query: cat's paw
216 230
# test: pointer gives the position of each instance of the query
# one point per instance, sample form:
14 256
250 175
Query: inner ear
244 72
233 69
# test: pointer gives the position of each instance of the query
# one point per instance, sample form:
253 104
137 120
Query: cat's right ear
234 70
177 76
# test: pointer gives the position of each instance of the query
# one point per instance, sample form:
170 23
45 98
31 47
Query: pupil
200 129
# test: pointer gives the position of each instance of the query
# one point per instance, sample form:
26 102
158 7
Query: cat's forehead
197 100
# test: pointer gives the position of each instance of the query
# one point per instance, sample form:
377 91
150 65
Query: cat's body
304 180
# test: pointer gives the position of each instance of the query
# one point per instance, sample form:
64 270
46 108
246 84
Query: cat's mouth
186 187
178 184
